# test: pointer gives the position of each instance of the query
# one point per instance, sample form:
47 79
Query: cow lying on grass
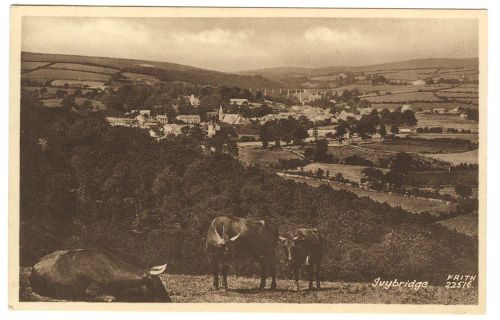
305 247
91 275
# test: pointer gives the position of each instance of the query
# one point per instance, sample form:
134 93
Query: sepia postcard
237 159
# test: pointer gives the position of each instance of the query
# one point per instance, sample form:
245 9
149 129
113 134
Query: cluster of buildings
457 111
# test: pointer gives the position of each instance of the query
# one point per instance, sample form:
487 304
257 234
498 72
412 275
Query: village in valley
405 134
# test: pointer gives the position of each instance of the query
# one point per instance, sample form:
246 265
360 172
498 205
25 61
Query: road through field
198 289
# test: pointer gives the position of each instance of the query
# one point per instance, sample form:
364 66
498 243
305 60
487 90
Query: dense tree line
86 184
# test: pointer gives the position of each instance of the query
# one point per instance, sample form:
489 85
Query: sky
235 44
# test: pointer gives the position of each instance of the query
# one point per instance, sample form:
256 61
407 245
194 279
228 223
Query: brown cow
92 275
232 237
305 247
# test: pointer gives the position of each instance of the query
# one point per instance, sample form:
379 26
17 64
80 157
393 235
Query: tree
86 105
463 191
68 102
382 130
402 163
299 134
394 129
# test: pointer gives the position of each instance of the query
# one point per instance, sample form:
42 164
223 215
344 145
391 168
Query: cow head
151 288
225 243
294 248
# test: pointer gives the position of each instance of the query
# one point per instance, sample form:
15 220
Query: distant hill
161 71
400 65
296 76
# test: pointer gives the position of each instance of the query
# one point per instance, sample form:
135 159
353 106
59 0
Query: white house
406 107
231 118
418 82
439 110
212 129
145 112
238 102
193 100
189 118
162 119
125 122
172 128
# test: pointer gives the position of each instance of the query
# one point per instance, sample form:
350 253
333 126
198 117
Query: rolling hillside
47 67
404 70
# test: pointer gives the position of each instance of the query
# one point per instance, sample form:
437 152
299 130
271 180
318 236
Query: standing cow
91 275
305 247
232 237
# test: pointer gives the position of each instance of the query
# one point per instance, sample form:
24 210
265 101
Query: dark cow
232 238
91 275
305 247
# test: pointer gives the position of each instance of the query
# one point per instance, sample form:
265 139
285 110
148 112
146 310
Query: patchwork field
140 77
462 136
353 173
197 289
418 146
83 83
446 121
405 97
470 157
64 74
29 65
414 205
84 67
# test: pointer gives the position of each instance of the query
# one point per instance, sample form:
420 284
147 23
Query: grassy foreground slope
197 289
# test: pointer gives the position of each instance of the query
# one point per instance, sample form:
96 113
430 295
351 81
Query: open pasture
413 205
405 97
52 90
96 104
472 137
84 67
30 65
446 121
259 155
419 146
353 173
469 157
64 74
140 77
51 103
409 74
447 94
78 83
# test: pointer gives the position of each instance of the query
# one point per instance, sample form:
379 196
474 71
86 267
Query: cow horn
235 237
217 235
158 270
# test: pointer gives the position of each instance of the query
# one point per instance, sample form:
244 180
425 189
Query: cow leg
273 274
262 274
310 270
318 275
215 274
296 274
105 298
224 270
94 292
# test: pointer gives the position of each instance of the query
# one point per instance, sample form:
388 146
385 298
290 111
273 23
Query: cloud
216 36
239 44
